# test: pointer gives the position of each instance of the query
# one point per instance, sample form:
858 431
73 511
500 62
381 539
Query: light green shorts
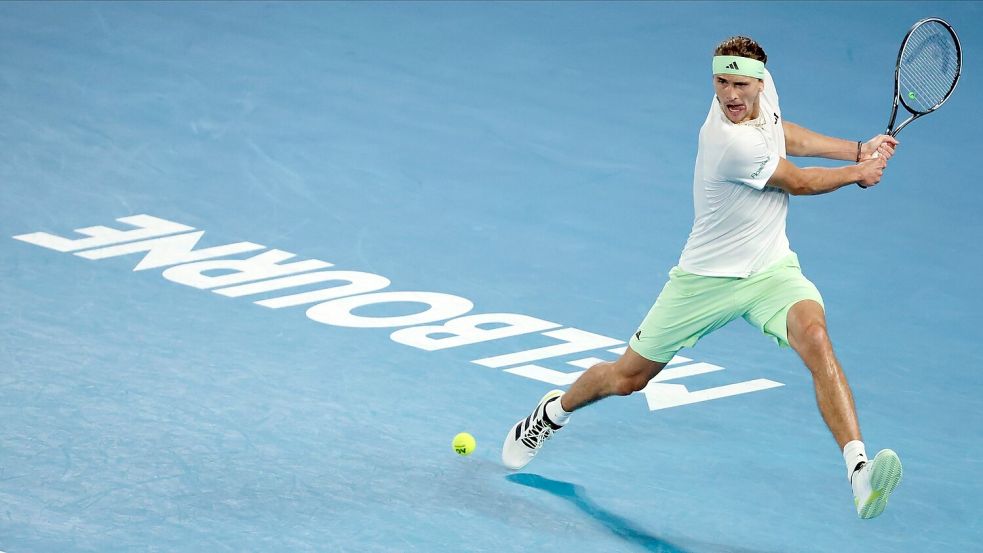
692 306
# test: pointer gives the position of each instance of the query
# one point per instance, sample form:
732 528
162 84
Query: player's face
738 96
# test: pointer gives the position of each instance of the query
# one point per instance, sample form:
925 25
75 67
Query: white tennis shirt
739 223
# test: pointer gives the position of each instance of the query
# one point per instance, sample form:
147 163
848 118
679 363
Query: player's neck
755 112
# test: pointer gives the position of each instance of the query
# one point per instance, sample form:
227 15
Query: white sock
556 413
853 454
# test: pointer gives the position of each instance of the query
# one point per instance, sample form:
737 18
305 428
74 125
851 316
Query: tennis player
737 264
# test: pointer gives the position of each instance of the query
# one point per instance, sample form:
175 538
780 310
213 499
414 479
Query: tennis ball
463 444
911 94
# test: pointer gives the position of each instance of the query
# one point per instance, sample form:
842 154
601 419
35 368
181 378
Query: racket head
929 65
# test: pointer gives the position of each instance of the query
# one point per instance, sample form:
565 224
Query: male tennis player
737 263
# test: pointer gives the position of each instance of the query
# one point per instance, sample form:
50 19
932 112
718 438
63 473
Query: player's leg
807 334
688 307
785 305
872 481
629 374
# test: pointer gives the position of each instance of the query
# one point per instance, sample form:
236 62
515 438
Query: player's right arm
804 181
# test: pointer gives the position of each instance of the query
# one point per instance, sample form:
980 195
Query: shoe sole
508 436
883 480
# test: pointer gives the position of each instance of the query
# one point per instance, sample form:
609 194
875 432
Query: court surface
532 159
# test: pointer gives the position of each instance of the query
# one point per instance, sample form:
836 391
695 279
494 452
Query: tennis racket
928 68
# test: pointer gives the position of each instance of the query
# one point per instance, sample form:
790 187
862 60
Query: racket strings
929 66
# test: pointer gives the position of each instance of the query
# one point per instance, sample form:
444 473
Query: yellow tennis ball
463 444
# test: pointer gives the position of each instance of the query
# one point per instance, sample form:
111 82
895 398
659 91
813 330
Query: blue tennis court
233 234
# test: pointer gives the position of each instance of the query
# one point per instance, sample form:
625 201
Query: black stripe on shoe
546 417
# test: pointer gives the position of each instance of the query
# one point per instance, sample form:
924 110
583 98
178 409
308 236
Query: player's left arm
802 142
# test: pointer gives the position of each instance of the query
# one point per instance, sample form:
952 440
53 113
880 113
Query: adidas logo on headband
739 65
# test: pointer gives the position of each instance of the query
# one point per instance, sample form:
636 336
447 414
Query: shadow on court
618 525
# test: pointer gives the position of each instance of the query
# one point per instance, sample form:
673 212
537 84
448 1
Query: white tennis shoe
874 481
529 434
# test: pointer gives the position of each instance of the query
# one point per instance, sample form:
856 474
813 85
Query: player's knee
625 386
632 373
816 334
813 335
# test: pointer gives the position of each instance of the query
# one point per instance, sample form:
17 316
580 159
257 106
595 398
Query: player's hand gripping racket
928 68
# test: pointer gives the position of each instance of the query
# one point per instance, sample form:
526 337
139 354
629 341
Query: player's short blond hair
741 46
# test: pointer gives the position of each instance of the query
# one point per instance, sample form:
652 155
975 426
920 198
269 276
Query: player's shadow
618 525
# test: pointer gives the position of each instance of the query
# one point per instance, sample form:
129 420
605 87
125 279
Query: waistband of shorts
790 260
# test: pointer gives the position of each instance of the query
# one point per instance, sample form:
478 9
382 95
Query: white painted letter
563 378
339 312
465 330
148 227
576 340
664 396
264 265
170 250
358 283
